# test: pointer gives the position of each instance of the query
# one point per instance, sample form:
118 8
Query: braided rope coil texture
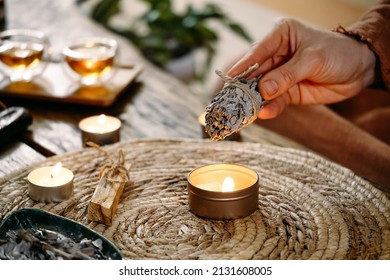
309 208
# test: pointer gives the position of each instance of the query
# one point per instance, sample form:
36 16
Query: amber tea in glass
22 54
91 59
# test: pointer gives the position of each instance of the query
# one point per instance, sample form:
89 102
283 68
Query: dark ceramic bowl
40 219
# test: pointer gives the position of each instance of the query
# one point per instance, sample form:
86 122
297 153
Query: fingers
265 52
279 80
249 59
274 108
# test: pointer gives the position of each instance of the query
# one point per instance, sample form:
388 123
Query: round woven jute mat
309 207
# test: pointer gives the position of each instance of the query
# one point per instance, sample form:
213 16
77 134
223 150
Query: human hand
304 65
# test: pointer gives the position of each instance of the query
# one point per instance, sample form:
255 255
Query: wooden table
155 106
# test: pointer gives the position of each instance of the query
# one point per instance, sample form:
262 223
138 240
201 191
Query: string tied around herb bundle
114 176
235 106
237 81
115 172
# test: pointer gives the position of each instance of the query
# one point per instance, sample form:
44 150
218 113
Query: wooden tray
55 85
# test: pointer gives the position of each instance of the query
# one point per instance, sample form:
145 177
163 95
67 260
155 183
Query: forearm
320 129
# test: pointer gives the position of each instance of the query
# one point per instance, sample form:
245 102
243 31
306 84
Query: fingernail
270 87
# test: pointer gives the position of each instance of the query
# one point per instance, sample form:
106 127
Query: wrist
371 68
370 61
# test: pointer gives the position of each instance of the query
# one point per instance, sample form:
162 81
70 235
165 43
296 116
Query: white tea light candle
100 129
50 183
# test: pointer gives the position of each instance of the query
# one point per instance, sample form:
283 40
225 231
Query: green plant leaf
104 10
206 34
170 34
239 31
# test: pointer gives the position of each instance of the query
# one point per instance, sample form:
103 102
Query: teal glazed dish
29 218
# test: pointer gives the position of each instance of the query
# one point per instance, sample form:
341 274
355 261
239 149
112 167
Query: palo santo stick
104 201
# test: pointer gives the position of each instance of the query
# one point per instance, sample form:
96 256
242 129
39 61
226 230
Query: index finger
268 52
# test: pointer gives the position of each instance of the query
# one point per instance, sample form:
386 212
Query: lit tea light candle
202 122
223 191
100 129
226 186
50 183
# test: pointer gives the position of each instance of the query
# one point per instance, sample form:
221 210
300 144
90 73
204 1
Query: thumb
281 79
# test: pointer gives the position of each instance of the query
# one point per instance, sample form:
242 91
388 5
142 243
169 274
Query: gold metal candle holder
50 184
207 198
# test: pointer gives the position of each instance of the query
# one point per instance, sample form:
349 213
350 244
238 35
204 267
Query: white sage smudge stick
113 178
235 106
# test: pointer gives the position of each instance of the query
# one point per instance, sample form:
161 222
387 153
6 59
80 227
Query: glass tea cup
90 60
23 54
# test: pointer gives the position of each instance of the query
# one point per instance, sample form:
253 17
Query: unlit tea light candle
50 183
100 129
223 191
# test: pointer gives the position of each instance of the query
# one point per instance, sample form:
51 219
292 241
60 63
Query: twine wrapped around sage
113 178
235 106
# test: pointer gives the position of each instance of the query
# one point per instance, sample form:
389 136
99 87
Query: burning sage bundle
235 106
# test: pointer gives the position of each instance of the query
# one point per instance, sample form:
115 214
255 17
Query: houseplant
163 34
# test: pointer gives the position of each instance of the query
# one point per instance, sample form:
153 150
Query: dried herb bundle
234 107
41 244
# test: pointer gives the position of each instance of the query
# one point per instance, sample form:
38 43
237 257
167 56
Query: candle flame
101 119
228 184
56 170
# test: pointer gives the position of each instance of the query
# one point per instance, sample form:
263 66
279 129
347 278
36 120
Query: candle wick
51 176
